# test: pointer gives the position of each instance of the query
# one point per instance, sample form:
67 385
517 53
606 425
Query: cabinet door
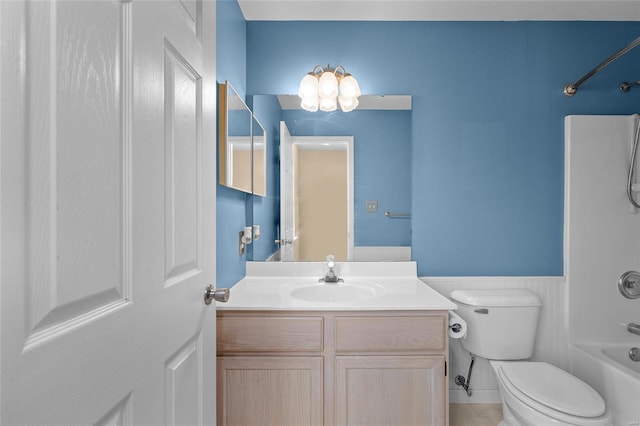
390 390
270 391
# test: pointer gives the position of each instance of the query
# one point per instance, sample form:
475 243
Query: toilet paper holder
455 327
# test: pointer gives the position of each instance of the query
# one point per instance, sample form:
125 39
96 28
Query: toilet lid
554 388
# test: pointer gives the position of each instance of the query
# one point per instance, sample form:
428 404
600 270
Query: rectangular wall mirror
380 174
234 140
242 144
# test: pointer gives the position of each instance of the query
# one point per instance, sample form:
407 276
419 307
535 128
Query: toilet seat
554 388
553 392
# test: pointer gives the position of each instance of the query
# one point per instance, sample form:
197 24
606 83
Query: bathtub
609 370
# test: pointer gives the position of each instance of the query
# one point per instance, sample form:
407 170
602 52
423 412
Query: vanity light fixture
325 88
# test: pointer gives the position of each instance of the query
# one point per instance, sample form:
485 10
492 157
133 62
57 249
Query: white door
288 233
107 235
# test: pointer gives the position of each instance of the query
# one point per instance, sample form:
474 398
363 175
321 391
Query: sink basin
334 293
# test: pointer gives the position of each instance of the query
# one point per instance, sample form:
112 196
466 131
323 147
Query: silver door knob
219 295
629 284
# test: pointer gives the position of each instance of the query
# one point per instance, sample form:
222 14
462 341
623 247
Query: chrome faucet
331 276
633 328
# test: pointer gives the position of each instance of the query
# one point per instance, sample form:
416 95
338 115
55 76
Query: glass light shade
308 86
327 86
347 104
328 104
349 87
310 103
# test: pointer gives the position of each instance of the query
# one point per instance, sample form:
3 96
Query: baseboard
480 396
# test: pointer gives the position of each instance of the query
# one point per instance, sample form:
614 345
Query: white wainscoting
551 340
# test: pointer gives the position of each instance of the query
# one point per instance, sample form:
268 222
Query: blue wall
487 126
231 205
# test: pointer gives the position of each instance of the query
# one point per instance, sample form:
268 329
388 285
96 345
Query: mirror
259 160
381 132
234 136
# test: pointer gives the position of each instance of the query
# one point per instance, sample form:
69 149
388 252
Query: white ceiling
440 10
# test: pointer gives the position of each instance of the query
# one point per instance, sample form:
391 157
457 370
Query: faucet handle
331 261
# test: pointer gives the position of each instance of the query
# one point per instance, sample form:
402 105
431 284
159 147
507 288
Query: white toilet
502 328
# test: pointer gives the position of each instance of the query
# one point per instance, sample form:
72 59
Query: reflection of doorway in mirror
316 196
321 195
238 162
259 169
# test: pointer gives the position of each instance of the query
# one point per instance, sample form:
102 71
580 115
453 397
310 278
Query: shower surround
601 241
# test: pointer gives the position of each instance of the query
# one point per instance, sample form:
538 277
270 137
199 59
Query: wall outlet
372 206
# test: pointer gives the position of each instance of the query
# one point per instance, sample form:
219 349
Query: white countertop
363 289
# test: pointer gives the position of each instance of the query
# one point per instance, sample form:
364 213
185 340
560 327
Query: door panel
76 151
183 112
183 381
107 167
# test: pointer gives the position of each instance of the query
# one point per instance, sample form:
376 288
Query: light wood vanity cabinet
332 368
270 390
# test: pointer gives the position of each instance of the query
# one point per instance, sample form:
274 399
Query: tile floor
475 414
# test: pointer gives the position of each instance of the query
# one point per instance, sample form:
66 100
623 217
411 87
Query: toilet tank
501 324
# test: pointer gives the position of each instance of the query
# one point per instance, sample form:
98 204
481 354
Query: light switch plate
372 206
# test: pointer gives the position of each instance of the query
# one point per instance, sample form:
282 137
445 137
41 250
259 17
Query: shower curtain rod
571 88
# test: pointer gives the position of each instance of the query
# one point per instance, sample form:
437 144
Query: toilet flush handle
481 311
